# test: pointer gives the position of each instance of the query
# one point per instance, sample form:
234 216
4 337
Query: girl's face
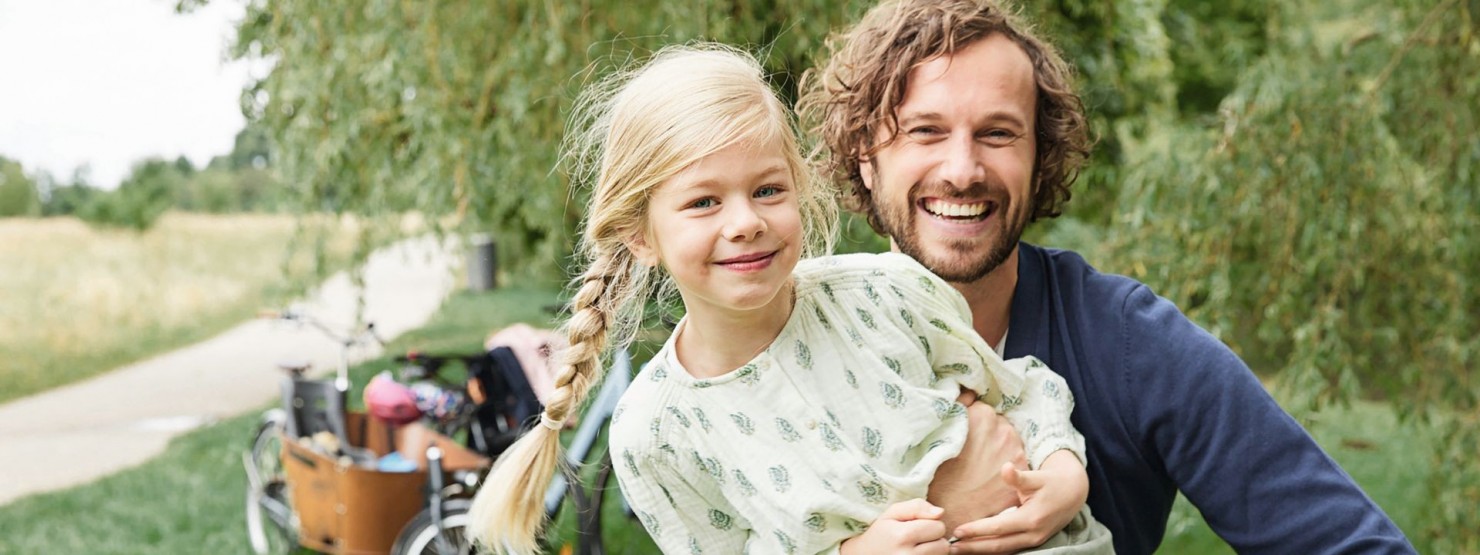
727 228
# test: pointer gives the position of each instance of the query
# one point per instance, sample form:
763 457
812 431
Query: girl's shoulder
899 272
641 406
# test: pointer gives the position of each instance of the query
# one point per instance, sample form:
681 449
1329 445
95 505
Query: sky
106 83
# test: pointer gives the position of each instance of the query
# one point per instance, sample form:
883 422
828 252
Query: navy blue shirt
1164 406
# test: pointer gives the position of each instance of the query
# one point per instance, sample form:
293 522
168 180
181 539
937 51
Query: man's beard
965 261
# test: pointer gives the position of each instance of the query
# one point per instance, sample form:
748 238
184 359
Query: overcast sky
108 82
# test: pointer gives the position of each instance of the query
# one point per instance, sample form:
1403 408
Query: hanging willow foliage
1299 177
1325 226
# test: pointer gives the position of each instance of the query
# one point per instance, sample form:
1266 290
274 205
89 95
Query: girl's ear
642 249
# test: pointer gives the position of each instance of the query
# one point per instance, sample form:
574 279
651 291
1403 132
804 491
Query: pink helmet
390 400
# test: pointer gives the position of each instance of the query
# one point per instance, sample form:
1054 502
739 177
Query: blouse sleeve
681 516
1035 399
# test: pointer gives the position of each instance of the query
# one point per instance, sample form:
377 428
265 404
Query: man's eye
925 131
999 137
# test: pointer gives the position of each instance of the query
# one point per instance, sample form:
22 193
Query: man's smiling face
954 189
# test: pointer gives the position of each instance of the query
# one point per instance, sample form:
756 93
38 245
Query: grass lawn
189 500
79 301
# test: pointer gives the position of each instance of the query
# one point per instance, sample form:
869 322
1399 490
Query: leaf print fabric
780 478
787 432
744 423
851 407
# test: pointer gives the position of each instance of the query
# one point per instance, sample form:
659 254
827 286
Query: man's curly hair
863 81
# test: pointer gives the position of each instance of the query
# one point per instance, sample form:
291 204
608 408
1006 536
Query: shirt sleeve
680 515
1034 399
1257 477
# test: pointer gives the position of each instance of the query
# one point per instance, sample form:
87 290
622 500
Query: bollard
482 263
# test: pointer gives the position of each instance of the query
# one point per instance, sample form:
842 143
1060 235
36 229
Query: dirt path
84 431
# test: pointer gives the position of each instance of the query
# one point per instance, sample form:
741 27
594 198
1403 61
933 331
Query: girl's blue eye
767 191
702 203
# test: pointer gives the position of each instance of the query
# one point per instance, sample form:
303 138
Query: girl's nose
743 223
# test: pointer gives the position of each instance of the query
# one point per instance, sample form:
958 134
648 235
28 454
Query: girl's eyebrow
780 168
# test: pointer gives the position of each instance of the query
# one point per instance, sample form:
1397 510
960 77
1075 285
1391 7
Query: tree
149 190
1300 177
69 198
18 195
1325 227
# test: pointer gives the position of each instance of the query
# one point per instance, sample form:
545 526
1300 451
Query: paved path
87 430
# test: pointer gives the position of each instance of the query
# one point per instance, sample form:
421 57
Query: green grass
189 500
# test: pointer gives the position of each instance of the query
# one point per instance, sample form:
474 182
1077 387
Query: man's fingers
913 509
966 398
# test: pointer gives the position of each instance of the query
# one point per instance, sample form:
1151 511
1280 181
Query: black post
482 263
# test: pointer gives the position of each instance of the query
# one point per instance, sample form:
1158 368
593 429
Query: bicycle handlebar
356 337
431 365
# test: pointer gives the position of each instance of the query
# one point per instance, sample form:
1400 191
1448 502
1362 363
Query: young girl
798 407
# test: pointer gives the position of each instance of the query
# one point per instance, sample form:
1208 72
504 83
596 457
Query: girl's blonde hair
632 132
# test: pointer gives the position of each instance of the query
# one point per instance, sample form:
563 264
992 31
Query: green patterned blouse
849 410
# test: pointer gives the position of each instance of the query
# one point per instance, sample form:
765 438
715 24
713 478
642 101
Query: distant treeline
240 181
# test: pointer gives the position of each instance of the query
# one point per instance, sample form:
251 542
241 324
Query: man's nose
962 165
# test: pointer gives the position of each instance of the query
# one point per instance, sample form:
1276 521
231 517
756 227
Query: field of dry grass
77 301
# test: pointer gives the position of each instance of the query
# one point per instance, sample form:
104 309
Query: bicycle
272 524
441 528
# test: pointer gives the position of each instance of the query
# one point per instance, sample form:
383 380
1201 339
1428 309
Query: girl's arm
681 516
1039 407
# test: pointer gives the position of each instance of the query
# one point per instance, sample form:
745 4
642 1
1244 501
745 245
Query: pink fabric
390 400
537 351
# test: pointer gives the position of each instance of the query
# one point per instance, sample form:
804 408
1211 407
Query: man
953 128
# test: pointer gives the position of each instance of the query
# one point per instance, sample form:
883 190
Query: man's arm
984 481
1260 481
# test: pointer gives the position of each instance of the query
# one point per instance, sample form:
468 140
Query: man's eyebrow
999 116
918 117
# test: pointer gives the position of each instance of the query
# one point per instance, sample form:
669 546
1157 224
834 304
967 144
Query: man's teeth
951 209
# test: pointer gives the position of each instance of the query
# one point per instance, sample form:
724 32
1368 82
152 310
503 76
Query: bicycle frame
593 420
618 377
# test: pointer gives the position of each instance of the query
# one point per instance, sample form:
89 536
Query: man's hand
969 487
906 527
1049 496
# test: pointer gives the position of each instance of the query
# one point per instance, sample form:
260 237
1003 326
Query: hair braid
510 505
631 133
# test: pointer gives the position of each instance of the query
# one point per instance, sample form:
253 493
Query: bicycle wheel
269 510
419 537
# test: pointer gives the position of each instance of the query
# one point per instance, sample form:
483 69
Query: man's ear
866 171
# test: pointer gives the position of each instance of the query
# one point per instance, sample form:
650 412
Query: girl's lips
748 262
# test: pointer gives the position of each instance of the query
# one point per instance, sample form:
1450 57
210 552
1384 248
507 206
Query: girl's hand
912 526
1049 497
